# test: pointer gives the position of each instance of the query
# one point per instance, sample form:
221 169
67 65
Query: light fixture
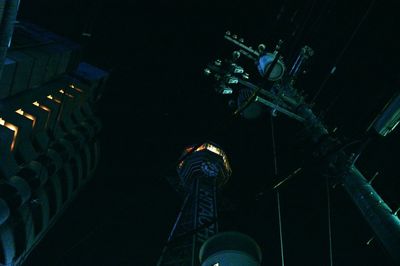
213 149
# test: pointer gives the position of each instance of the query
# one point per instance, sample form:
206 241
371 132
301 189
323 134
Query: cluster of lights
14 128
216 150
213 149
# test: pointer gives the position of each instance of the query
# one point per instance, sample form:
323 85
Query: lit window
47 109
63 92
74 87
41 106
13 128
29 116
214 150
188 149
202 147
53 99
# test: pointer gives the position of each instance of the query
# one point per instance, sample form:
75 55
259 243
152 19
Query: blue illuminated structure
265 61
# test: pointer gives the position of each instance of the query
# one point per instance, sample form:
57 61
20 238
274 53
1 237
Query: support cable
280 227
274 146
342 52
324 10
277 191
328 197
299 31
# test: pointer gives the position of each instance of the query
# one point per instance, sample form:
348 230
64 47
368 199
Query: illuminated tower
48 131
202 170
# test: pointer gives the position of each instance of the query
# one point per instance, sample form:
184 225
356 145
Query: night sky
157 101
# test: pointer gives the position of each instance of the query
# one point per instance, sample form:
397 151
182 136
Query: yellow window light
13 128
221 153
202 147
29 116
66 93
74 87
47 109
53 99
214 149
188 149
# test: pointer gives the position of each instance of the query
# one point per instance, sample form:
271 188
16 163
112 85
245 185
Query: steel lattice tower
202 170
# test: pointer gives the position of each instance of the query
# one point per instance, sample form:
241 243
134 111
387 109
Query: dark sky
157 101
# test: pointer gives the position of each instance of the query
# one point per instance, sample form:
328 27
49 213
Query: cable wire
324 9
277 191
299 31
328 197
280 227
342 52
274 146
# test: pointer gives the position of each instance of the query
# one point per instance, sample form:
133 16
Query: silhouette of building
48 130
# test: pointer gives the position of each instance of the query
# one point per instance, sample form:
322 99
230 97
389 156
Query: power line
280 227
329 222
277 191
342 52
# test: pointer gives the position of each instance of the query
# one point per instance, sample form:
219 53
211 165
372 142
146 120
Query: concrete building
48 130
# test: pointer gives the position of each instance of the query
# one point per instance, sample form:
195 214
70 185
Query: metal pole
375 211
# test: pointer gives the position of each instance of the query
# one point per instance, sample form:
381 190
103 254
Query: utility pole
278 93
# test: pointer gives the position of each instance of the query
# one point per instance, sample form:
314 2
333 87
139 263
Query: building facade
48 131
